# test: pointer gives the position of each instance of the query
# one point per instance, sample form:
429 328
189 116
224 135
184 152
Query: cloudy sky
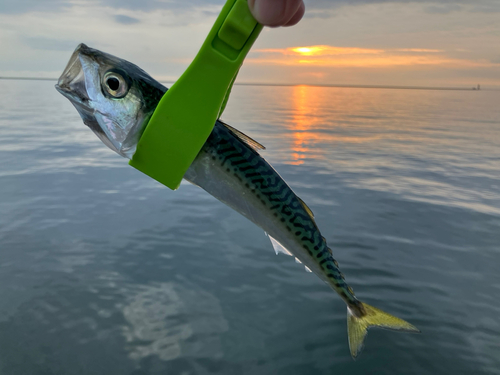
360 42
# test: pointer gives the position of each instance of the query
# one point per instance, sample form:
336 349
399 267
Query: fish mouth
71 83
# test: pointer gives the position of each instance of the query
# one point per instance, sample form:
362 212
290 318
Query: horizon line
396 87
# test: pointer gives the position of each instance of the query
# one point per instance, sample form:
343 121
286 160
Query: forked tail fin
357 326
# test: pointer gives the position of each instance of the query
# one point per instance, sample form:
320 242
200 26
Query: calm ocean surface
105 271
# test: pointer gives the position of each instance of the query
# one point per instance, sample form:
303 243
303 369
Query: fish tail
368 316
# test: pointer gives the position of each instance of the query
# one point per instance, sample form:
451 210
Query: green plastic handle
187 112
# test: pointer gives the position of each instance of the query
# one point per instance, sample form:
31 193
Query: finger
297 16
274 12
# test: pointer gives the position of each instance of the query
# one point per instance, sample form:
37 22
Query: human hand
276 13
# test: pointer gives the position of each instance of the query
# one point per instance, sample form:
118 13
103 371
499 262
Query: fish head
114 97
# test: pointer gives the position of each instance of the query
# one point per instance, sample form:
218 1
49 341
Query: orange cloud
331 56
321 51
419 50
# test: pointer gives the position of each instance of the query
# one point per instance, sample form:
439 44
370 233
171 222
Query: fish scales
260 179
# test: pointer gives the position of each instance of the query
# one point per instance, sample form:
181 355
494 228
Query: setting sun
334 56
307 51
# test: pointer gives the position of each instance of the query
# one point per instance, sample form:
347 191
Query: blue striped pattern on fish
260 179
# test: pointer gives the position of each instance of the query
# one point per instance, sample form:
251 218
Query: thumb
274 12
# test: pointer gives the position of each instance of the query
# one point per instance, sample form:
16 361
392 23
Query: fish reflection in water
170 320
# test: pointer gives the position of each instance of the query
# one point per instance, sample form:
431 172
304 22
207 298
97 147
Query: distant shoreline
28 79
390 87
361 86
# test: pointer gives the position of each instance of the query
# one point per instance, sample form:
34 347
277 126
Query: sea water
105 271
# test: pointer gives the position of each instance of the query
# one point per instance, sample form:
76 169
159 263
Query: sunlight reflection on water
389 141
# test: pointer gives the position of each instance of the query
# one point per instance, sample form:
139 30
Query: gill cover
114 97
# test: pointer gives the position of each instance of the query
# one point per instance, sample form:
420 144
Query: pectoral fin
244 138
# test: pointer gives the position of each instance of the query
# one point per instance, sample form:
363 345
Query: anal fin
279 248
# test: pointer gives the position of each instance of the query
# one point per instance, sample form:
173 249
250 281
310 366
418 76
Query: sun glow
308 51
332 56
322 50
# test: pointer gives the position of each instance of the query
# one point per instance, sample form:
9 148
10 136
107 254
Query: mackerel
115 99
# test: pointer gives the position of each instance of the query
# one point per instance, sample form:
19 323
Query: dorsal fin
308 210
244 138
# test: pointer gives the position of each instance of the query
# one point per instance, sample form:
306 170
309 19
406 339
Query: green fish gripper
186 114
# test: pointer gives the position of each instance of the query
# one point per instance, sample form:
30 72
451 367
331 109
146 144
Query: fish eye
115 85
